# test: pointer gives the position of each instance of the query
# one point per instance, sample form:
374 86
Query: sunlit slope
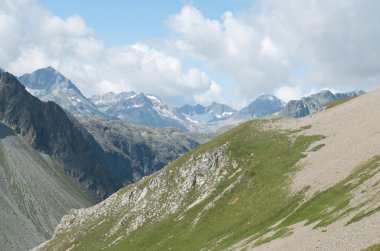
222 192
34 193
298 184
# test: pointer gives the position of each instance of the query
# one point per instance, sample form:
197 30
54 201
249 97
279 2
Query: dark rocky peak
47 128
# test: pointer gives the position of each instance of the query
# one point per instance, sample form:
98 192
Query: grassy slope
337 102
373 248
247 211
259 200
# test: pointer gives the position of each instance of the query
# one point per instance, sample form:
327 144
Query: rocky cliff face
131 152
48 128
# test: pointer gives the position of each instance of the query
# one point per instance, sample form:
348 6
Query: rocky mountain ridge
265 185
51 162
314 103
50 85
47 128
139 108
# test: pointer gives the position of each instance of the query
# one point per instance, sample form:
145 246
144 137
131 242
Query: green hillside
231 192
246 194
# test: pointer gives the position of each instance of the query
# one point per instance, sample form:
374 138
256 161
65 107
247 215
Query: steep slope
48 129
133 151
138 109
50 85
313 103
34 193
304 184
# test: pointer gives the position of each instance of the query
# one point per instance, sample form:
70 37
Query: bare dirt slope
352 133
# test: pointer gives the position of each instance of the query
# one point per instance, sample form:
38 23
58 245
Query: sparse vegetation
327 206
317 147
373 248
337 102
258 200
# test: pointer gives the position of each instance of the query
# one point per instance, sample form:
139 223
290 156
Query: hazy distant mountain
202 115
138 109
313 103
263 106
50 85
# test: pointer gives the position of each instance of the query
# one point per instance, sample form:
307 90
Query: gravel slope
34 193
352 133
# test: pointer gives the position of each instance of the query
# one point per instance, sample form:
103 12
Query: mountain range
265 184
147 109
311 183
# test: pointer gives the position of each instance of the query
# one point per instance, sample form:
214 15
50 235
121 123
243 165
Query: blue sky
228 51
117 22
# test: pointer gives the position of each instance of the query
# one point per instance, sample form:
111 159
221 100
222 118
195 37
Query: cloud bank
33 38
287 48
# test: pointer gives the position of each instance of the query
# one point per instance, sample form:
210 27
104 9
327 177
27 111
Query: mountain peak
267 96
49 129
2 70
50 85
45 78
262 106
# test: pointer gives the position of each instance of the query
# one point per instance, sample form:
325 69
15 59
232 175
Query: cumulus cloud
33 38
336 41
287 48
287 93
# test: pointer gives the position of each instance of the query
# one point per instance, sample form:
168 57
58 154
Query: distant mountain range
147 109
138 109
313 103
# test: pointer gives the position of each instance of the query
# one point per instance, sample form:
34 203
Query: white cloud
287 93
213 94
234 47
336 41
35 38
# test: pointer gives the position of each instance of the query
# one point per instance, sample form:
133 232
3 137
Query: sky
183 51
